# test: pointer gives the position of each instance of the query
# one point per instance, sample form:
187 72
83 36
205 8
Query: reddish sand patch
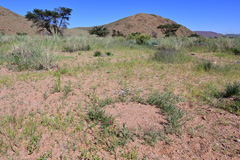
136 115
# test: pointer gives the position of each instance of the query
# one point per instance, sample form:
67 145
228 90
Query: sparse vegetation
93 103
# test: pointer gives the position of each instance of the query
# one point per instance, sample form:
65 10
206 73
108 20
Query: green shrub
97 54
138 37
100 31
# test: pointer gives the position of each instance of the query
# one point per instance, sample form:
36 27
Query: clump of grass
31 57
73 47
229 99
231 89
170 56
167 103
97 115
205 66
97 54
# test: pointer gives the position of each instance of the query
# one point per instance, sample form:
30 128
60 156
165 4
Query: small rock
236 62
193 54
204 118
237 140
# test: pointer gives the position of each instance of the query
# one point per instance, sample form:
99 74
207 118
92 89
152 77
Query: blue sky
198 15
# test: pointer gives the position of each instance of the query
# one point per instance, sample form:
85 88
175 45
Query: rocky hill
12 23
143 23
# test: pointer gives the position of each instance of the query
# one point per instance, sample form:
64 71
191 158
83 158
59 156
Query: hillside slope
145 24
12 23
209 34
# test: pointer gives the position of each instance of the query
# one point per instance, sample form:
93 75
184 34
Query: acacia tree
52 21
169 29
100 31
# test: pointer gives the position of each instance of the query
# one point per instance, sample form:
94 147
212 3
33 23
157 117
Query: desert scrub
170 56
31 56
208 66
176 43
222 44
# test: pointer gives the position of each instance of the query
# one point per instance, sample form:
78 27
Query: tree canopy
100 31
169 29
52 21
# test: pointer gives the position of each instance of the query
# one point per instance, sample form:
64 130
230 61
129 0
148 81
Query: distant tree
100 31
169 29
52 21
117 33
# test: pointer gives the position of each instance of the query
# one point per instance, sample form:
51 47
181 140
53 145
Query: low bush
138 37
97 54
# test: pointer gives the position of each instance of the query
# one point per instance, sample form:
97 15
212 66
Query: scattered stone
204 118
193 54
236 62
237 140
